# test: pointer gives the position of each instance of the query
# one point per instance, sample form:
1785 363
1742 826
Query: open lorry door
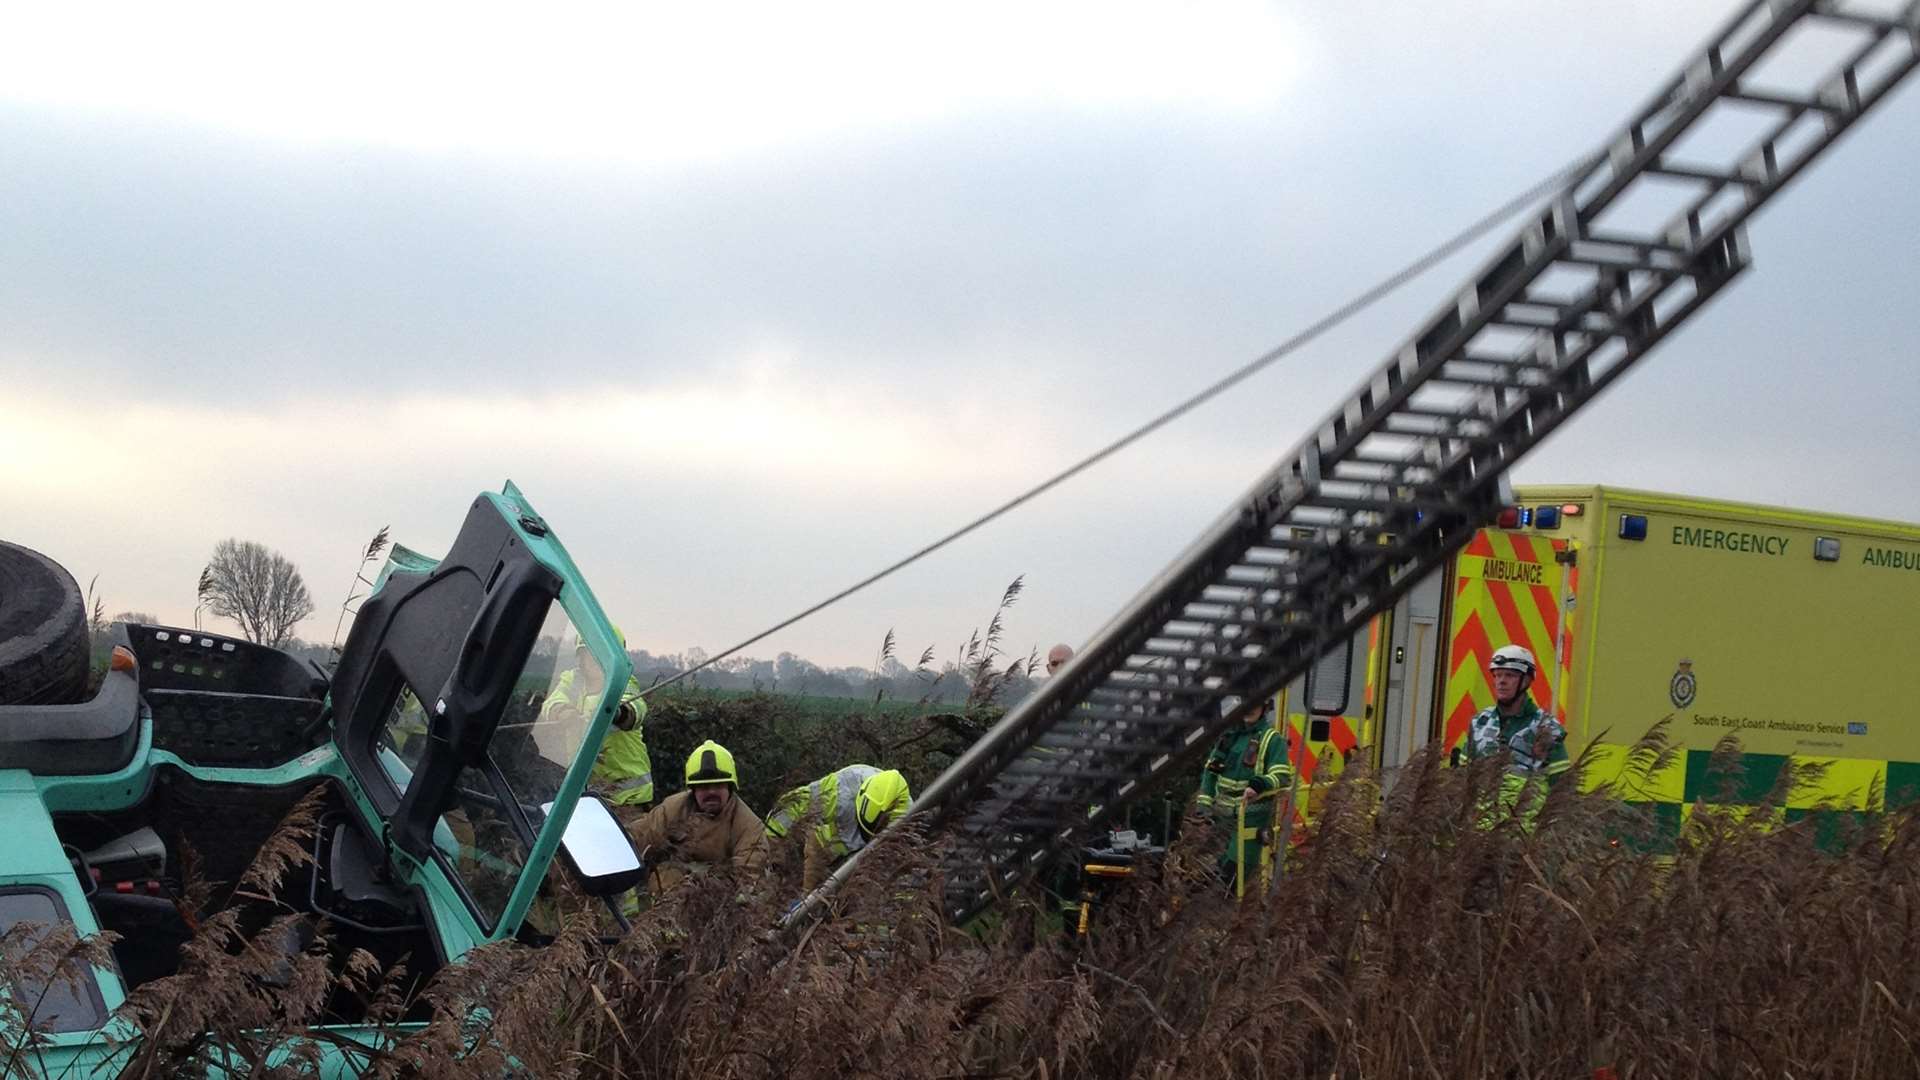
446 717
443 773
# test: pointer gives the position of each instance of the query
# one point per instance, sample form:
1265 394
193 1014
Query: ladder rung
1101 727
1131 693
1051 794
1070 744
1211 630
1784 101
1612 256
1063 777
1511 368
1042 826
1556 318
1474 438
1689 172
1335 502
1135 681
1460 378
1288 544
1357 458
1452 415
1638 243
1861 18
1499 361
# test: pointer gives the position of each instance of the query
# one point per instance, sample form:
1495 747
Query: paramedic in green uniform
1515 725
1246 774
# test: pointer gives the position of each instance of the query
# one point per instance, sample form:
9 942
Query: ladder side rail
1278 666
1119 639
1004 869
1267 501
1714 70
1836 103
1529 419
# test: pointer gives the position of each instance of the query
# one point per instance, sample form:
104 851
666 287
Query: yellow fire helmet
711 763
884 797
618 637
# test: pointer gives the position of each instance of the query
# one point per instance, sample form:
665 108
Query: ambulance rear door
1510 587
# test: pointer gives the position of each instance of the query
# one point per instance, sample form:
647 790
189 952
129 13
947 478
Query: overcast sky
753 299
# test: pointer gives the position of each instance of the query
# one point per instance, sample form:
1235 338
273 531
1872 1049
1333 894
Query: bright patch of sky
646 82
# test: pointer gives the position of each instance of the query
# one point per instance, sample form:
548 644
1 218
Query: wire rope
1440 253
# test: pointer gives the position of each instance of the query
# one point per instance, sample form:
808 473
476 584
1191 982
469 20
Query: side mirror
598 850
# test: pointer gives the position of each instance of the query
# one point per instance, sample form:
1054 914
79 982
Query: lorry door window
66 1000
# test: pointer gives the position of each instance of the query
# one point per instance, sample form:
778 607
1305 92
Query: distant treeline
790 674
945 683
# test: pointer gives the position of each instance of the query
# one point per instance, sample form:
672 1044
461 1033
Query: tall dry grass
1401 940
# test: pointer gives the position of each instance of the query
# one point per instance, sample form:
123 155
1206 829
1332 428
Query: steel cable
1446 249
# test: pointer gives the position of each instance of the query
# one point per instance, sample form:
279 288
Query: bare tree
256 587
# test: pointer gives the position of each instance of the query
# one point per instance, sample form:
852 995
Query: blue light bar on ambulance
1633 526
1546 517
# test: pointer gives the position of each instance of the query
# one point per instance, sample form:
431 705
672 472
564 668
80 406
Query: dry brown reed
1410 935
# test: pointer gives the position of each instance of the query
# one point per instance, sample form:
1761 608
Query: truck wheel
43 631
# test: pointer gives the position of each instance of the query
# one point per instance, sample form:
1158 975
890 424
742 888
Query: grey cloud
1116 246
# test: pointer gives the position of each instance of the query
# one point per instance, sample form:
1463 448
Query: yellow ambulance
1794 630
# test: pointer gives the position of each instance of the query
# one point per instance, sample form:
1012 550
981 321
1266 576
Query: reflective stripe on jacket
835 799
623 771
1243 758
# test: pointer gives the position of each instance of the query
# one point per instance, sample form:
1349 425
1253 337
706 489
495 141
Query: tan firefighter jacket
678 840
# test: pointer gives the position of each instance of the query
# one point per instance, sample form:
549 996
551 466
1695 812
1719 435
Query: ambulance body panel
1790 629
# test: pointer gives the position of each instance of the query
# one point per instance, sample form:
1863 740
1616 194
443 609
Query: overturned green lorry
443 792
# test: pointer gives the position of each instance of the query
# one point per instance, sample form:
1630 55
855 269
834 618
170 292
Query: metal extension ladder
1399 477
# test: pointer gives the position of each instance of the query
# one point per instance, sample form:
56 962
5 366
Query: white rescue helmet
1233 705
1513 658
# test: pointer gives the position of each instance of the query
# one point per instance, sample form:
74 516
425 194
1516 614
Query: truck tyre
43 631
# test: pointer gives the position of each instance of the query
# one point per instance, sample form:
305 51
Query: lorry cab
430 788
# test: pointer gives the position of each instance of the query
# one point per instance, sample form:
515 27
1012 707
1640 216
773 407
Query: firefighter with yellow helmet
1246 776
623 772
853 804
1514 725
703 826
